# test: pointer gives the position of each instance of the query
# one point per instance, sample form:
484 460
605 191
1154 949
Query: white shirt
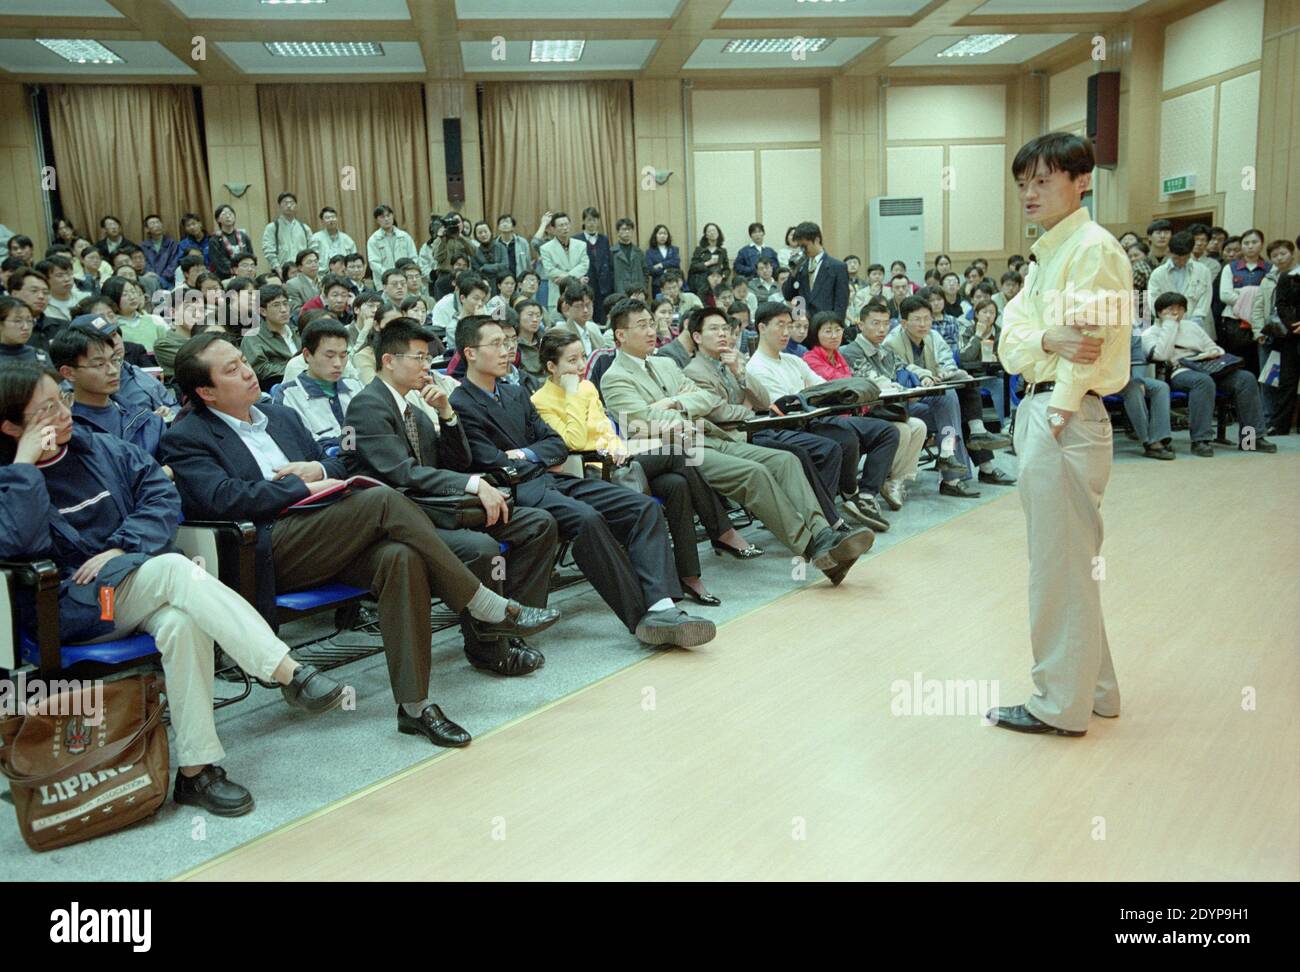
786 374
266 453
326 246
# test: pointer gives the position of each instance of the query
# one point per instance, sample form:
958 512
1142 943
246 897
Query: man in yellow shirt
1067 333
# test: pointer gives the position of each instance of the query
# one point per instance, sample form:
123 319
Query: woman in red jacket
824 358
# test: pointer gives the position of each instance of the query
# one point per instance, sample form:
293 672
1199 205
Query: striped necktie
412 433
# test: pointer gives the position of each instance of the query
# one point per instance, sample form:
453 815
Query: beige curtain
126 151
350 146
559 146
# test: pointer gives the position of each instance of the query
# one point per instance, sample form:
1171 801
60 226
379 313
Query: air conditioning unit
896 225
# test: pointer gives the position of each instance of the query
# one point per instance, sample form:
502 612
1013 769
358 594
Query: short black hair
695 319
820 320
327 209
353 258
876 266
1159 224
874 305
909 304
469 329
1012 275
1196 229
1170 298
320 329
770 309
303 255
192 261
469 281
1181 243
618 316
334 280
1058 152
756 226
392 272
76 341
807 230
56 262
270 292
397 335
190 371
624 221
574 294
591 211
283 196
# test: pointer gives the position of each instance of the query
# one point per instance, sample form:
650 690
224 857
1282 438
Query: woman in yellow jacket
573 408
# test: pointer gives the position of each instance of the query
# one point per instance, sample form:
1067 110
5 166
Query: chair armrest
234 543
41 577
594 458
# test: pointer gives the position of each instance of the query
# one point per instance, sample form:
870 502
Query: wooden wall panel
22 207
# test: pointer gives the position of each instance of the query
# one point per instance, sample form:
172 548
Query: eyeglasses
108 367
427 359
716 329
52 408
642 326
498 345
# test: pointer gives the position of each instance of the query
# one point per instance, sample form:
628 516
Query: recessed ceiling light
555 51
976 44
776 45
81 51
325 48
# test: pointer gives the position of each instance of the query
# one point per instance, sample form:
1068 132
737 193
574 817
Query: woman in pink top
825 336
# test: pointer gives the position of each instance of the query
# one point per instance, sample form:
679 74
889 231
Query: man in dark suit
620 539
397 442
600 260
235 460
820 279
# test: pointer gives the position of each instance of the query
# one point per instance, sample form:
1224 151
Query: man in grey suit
650 395
306 284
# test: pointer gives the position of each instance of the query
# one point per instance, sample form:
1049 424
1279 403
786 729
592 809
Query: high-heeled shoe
748 553
708 600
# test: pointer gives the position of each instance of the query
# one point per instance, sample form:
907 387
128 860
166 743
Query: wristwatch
1056 419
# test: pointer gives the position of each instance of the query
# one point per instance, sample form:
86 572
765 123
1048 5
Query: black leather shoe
708 600
1203 449
1104 715
517 658
1019 719
521 621
674 627
749 552
997 478
211 791
1263 445
831 550
958 487
312 690
951 464
1157 450
433 726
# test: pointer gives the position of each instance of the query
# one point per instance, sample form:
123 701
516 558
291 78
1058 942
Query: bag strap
90 761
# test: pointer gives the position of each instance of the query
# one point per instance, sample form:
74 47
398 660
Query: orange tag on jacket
106 594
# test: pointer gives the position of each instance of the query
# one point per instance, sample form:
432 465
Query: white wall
738 178
1067 96
1217 39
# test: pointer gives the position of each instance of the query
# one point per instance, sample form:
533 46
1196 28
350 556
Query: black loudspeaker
454 160
1103 117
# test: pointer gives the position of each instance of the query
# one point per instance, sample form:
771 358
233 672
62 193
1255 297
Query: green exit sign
1178 183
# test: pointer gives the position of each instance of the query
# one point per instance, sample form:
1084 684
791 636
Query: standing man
631 271
330 241
286 236
600 260
387 244
820 279
1068 333
562 256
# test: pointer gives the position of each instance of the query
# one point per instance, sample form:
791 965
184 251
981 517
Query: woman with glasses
16 325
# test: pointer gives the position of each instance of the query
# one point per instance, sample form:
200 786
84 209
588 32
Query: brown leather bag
71 780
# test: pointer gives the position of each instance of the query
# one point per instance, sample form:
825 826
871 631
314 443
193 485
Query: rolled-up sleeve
1098 298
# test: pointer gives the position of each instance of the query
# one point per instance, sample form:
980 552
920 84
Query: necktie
812 272
412 433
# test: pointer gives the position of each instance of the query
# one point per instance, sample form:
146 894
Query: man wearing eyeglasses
399 445
136 387
86 358
269 348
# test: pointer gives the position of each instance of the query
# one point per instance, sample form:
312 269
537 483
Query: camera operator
446 242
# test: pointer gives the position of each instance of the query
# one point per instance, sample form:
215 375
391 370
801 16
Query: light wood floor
773 753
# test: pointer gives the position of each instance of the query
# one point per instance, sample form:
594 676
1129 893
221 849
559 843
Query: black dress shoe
312 690
214 793
708 600
958 487
517 658
749 552
433 726
674 627
1157 450
951 464
997 478
520 622
987 440
1019 719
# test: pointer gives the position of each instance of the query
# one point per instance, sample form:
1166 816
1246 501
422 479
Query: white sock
663 604
986 466
947 446
413 709
487 605
977 427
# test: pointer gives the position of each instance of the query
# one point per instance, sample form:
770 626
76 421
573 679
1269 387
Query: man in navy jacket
236 460
600 260
103 511
820 279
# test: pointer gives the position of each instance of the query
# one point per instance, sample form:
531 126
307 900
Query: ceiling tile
60 8
256 10
20 56
810 10
513 57
708 56
1016 51
252 57
575 10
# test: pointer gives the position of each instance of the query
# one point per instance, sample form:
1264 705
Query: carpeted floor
296 765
